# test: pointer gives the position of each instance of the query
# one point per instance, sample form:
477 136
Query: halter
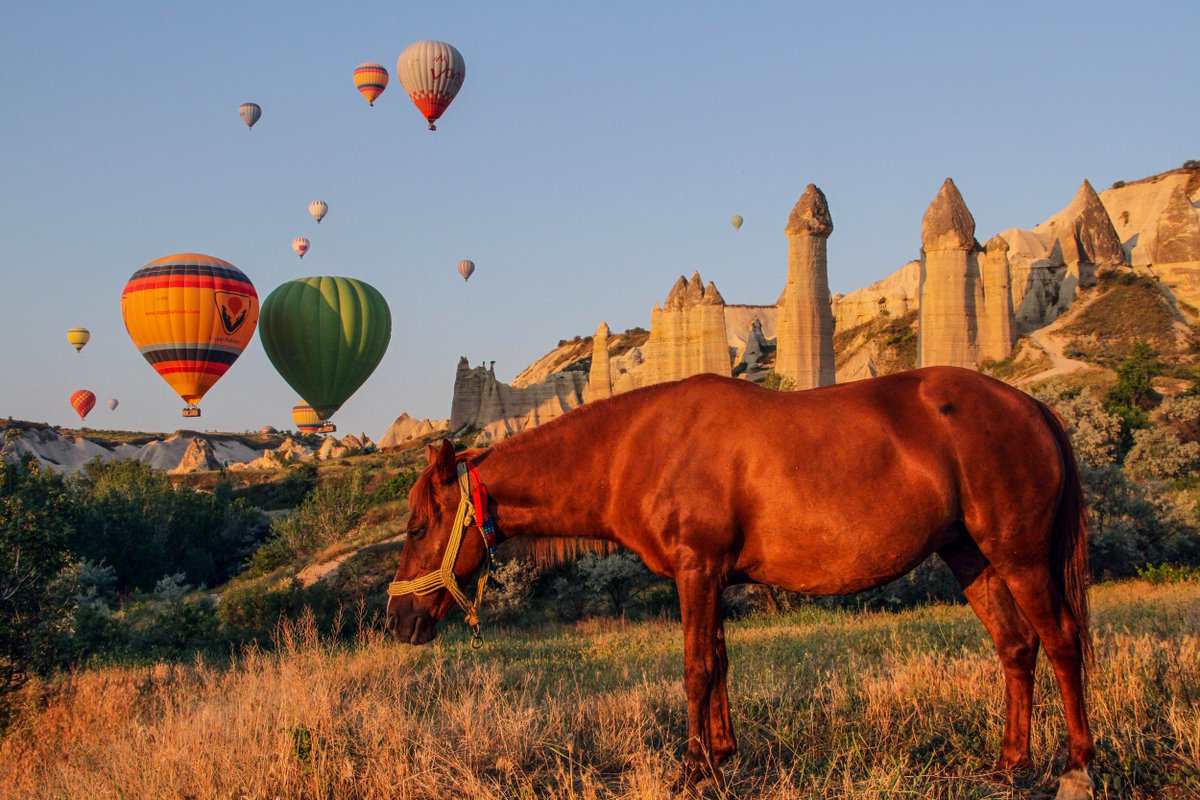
471 505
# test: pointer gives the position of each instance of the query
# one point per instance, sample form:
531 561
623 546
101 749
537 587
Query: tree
35 600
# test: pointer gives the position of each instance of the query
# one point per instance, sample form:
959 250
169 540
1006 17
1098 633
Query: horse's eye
417 533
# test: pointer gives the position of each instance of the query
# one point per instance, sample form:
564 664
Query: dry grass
827 704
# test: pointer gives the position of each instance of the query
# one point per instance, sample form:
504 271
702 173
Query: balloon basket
328 427
191 412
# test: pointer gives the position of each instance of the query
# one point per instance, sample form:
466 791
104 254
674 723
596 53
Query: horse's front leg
710 737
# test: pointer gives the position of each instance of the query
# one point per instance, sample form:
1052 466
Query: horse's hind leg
1015 640
1038 596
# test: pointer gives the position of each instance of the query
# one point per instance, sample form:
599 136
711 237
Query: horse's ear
441 457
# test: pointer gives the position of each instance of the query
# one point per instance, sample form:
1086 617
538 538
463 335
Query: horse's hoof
1074 785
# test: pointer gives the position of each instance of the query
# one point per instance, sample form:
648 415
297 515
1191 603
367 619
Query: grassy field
827 705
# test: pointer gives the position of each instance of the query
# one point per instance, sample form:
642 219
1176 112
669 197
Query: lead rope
444 577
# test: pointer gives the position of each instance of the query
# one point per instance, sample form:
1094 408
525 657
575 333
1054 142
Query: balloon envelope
371 79
78 337
113 403
318 209
736 219
249 112
300 245
431 72
325 336
190 315
82 401
466 268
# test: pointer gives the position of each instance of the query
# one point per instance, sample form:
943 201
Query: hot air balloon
466 268
371 79
113 403
300 245
249 112
318 209
307 421
431 72
736 219
82 401
325 336
190 315
78 337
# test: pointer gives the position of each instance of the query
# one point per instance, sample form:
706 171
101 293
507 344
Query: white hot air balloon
318 209
112 404
431 72
466 268
300 245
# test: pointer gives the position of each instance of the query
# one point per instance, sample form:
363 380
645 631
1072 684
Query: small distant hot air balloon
466 268
300 245
249 112
325 336
431 72
736 219
307 420
190 315
78 337
318 209
371 79
82 401
112 404
267 429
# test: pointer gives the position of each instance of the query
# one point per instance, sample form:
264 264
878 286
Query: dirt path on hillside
1048 340
326 570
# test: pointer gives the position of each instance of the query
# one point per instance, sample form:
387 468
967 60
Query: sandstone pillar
599 377
947 328
996 318
687 334
804 331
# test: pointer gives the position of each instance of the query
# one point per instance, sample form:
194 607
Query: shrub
1118 184
773 380
327 513
1168 573
255 610
602 585
1191 164
1157 454
514 583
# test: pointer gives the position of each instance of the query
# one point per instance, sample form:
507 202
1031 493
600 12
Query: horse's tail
1069 540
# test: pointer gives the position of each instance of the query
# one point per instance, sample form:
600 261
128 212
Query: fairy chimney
947 330
1178 231
687 333
995 310
804 329
599 377
1085 244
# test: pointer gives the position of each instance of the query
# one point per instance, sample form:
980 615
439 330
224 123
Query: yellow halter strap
444 577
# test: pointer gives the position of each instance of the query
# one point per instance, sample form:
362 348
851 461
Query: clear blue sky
593 155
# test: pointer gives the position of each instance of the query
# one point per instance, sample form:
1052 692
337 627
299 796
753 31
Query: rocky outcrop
895 296
948 328
481 400
804 337
1084 240
995 310
1178 231
404 429
687 334
199 457
599 376
749 358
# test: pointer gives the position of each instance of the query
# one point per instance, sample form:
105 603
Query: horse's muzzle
412 628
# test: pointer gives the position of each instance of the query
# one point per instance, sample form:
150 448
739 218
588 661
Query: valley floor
826 704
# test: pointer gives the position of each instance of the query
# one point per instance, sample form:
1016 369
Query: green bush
253 611
1169 573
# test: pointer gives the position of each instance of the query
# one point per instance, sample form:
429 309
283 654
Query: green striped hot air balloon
325 336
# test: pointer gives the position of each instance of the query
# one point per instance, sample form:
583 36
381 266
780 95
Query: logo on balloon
232 309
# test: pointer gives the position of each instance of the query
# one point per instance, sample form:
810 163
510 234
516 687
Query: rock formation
748 364
480 399
1178 231
995 309
599 376
199 457
948 328
1085 243
687 334
895 295
805 326
405 429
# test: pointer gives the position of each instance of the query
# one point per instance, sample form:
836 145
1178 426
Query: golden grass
826 704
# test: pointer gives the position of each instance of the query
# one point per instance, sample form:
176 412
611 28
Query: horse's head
434 506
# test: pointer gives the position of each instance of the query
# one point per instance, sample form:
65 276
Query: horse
714 482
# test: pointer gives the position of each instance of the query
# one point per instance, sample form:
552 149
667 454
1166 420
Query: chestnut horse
715 482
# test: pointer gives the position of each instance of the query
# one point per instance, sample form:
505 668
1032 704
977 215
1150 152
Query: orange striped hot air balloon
308 421
82 401
371 79
190 315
